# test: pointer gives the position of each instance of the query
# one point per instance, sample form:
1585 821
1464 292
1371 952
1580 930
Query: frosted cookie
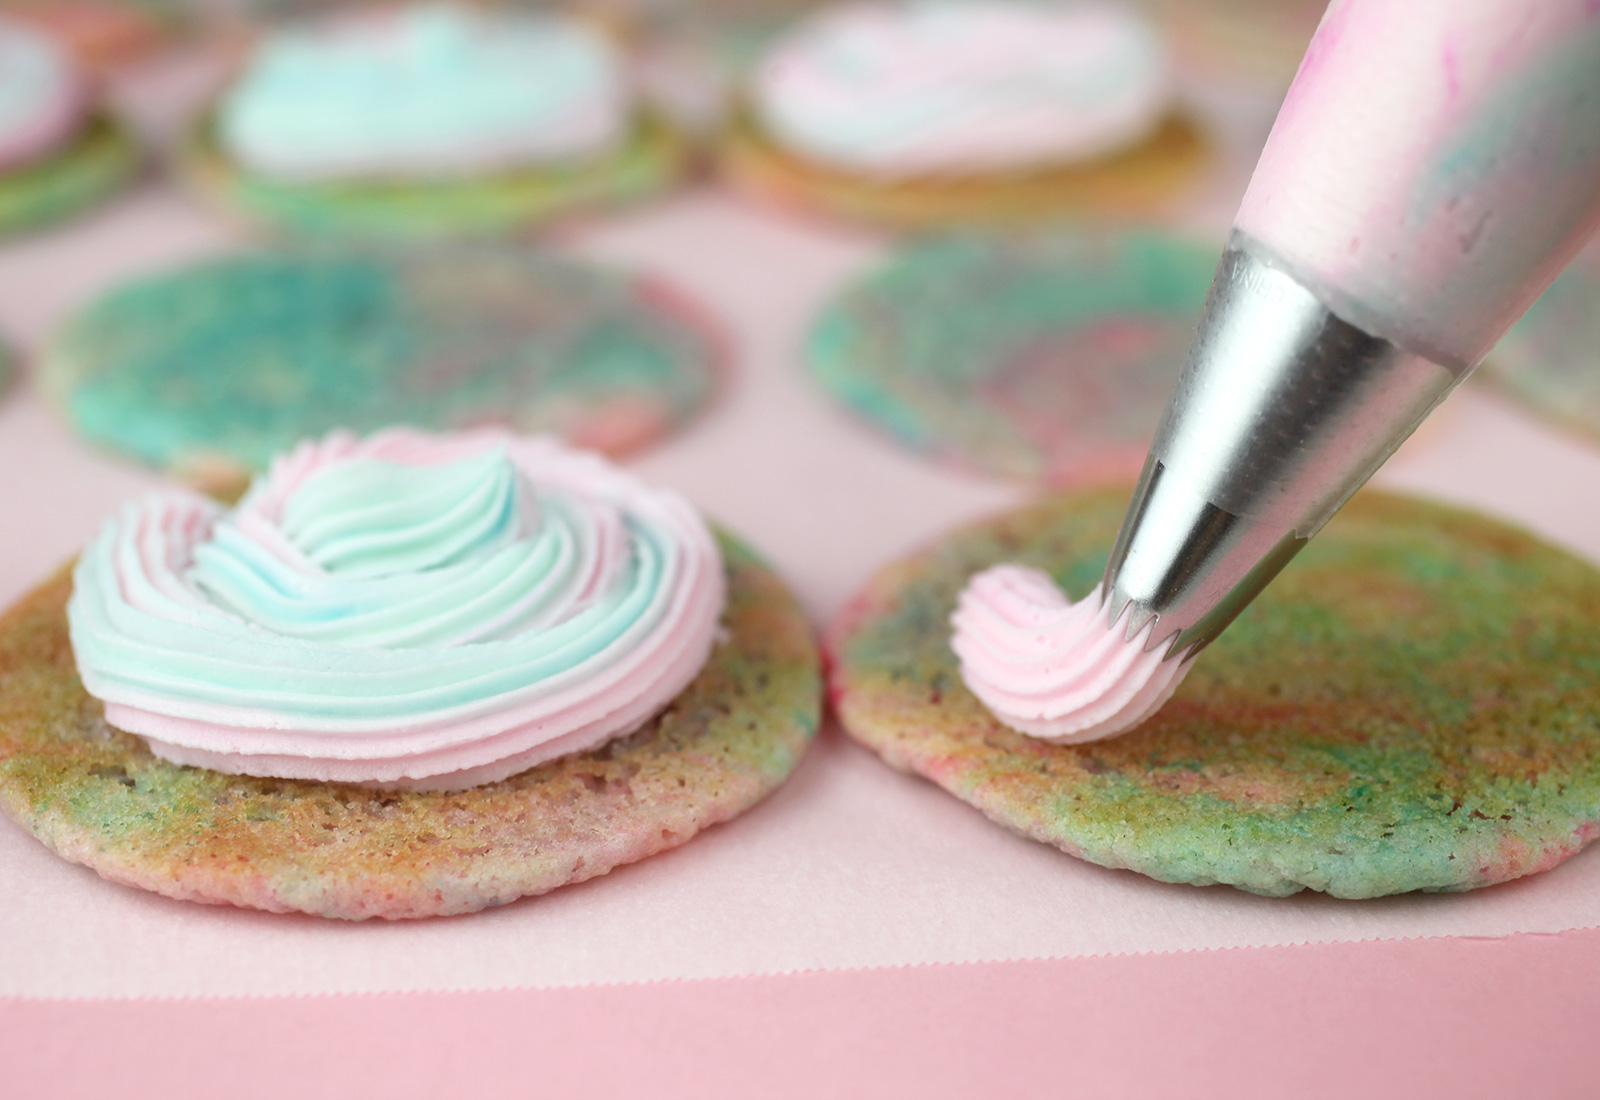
407 676
963 111
430 121
1047 358
1551 360
44 98
56 155
1411 705
210 369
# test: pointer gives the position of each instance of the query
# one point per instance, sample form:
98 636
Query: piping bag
1435 164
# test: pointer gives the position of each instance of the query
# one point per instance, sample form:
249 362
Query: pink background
860 933
1462 1018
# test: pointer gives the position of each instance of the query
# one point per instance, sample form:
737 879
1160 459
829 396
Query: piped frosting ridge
425 611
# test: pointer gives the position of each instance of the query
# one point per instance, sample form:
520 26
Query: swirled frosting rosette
426 90
432 612
952 86
1054 669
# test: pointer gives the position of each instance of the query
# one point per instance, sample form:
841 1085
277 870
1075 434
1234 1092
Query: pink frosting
1051 668
961 85
347 712
1436 164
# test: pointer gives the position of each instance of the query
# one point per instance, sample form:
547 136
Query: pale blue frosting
426 90
409 557
414 610
931 86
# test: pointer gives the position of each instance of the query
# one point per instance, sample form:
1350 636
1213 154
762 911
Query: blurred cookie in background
969 112
207 370
1322 742
59 151
1047 358
430 121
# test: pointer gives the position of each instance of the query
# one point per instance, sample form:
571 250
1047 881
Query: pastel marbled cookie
1550 361
94 165
1414 704
96 795
653 158
1048 357
211 369
1135 182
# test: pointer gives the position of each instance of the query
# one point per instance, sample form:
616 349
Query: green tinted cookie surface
238 358
1047 357
651 160
1132 182
1413 705
97 162
97 796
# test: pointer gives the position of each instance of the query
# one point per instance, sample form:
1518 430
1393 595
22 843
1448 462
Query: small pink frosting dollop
1051 668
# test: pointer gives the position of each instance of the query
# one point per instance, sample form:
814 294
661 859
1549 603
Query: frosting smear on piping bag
1435 165
1051 668
426 611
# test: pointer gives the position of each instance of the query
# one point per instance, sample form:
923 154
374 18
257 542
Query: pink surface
778 955
1458 1018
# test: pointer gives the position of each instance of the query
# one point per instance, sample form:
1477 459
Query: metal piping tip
1283 410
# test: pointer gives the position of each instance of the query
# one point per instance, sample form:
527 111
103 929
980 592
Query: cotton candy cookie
964 113
1131 183
406 675
210 369
429 121
94 165
1411 705
56 156
1047 358
97 796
